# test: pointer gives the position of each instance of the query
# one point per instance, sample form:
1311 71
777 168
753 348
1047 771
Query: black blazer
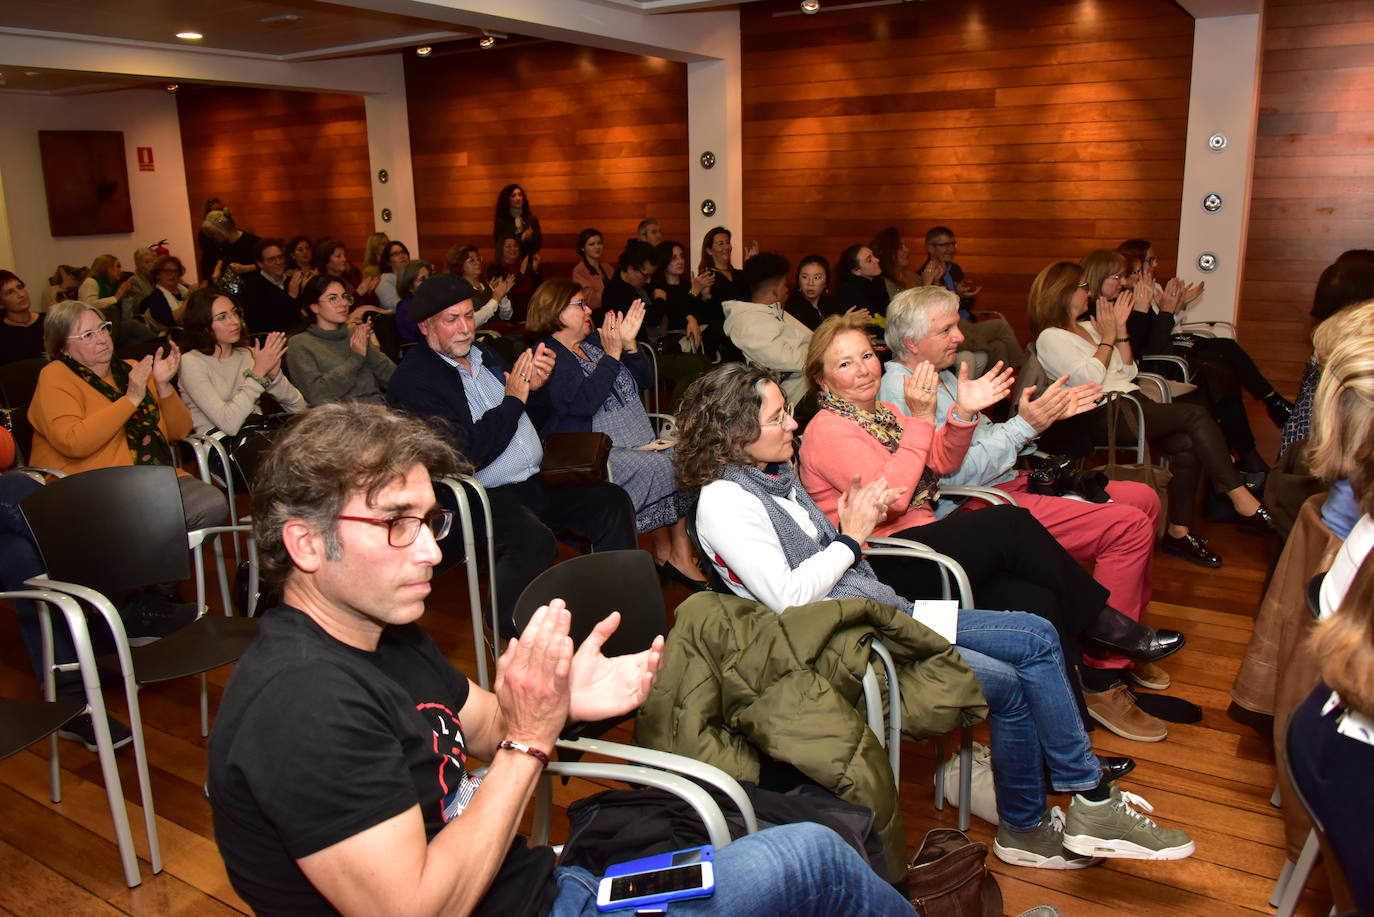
267 307
428 387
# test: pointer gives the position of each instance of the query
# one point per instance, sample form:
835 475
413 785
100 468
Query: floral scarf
883 425
147 445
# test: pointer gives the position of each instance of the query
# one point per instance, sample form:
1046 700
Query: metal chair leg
1297 879
965 777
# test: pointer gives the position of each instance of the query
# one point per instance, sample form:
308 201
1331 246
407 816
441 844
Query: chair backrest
1032 373
708 569
112 529
594 585
18 381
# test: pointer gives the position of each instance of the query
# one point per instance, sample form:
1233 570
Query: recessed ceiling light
424 51
810 7
173 87
30 73
487 43
190 36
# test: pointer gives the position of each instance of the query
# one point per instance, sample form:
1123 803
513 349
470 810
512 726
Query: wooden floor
1213 779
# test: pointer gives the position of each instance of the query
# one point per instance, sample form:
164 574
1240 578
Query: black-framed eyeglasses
401 531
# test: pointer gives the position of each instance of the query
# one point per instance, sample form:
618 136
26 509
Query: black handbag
575 458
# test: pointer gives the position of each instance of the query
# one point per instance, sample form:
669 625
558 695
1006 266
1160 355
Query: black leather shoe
1261 523
1115 768
1192 548
670 574
1147 645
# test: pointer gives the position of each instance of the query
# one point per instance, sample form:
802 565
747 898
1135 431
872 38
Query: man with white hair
923 326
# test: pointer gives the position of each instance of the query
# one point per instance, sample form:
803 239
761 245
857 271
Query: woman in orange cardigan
91 410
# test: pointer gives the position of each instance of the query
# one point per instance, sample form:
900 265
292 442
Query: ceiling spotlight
487 43
173 87
424 51
190 36
810 7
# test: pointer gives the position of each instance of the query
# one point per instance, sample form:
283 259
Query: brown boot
1116 709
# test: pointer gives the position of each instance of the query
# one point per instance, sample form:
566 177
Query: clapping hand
166 362
966 289
1103 322
630 324
863 506
702 282
267 355
932 272
532 678
138 380
752 250
500 286
1192 291
602 688
541 366
860 313
520 379
974 395
357 338
1172 297
918 390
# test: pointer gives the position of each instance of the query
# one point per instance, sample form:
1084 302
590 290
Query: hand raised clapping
267 356
863 506
976 395
166 362
918 390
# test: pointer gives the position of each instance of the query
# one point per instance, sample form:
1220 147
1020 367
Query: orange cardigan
75 428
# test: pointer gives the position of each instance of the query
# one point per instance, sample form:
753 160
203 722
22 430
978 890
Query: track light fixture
487 43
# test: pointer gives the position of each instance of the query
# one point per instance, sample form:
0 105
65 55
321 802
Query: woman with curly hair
770 542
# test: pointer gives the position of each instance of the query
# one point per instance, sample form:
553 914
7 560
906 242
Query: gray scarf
858 581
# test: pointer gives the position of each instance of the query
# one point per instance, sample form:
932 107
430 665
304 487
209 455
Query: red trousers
1119 537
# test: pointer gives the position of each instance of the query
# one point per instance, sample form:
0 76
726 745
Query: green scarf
147 445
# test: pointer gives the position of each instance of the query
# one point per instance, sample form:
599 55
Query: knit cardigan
835 449
75 428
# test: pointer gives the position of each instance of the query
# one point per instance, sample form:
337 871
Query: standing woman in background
514 218
589 271
716 252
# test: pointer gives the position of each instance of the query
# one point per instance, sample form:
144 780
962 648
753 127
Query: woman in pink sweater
1012 562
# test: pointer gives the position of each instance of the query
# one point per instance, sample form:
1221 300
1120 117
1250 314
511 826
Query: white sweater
738 536
1062 352
219 395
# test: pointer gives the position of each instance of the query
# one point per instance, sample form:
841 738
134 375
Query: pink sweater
834 450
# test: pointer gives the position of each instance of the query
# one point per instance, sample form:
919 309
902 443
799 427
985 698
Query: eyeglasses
401 531
950 244
579 303
782 417
1112 277
83 337
335 298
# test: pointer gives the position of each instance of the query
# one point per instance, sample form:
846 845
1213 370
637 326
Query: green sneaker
1041 847
1115 829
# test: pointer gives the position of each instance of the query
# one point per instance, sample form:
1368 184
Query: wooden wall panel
1038 130
1313 194
595 138
285 162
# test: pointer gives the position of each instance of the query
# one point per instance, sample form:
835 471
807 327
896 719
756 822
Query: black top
505 226
724 289
866 292
800 308
268 307
244 251
317 741
21 343
618 296
682 303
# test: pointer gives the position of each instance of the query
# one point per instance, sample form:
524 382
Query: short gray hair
911 313
62 318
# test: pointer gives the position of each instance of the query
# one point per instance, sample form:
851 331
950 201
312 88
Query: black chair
111 532
18 380
593 586
24 722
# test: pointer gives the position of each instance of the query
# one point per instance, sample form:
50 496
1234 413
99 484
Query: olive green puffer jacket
739 683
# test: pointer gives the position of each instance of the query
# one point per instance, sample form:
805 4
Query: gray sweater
326 369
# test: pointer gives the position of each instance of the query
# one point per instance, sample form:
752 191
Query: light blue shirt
520 459
991 456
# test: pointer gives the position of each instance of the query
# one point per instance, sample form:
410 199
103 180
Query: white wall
160 207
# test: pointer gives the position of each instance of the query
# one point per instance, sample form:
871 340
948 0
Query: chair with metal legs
24 722
458 487
112 531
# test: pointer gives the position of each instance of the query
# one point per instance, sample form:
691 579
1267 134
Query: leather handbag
1144 473
949 877
575 458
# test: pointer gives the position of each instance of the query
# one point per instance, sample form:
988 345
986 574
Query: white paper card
940 615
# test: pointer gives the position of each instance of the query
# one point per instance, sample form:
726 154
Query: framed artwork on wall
86 182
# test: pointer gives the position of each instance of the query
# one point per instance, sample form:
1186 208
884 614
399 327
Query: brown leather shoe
1150 675
1116 709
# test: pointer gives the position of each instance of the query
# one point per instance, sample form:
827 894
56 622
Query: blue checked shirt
520 460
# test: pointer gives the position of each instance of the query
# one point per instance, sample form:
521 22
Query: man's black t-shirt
317 741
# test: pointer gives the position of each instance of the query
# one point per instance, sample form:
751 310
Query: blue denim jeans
1034 719
802 869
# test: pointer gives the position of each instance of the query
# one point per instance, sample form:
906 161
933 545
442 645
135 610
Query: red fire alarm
145 159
